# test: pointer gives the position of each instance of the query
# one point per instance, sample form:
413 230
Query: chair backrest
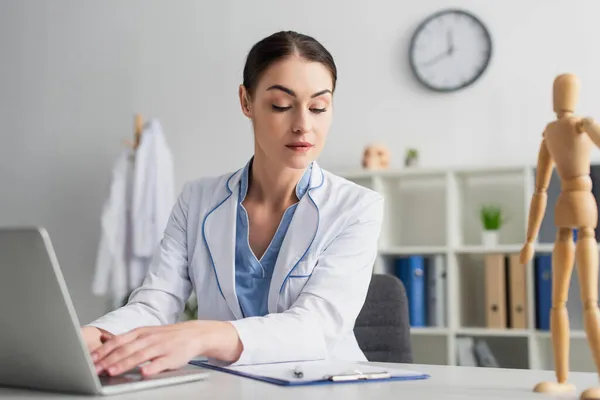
382 328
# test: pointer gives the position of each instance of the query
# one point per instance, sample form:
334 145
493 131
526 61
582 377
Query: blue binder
543 290
411 271
321 372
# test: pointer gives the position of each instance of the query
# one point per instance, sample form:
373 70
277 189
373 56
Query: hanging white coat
319 283
135 215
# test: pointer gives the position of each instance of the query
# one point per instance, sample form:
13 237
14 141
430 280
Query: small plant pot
411 162
489 238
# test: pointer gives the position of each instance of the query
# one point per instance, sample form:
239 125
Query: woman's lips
300 146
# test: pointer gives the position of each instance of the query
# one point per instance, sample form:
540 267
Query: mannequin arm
540 196
591 128
537 208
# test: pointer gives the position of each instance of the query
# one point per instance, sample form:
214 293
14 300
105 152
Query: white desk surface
445 383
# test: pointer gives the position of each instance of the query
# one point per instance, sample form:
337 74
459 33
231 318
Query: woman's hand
94 337
167 347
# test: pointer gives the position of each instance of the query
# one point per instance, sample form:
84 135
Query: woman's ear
245 101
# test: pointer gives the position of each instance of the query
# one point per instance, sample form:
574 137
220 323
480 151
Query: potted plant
411 158
491 220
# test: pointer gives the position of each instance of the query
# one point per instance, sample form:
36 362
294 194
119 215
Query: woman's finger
160 364
113 343
124 351
139 357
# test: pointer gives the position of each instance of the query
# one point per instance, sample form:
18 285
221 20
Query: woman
279 253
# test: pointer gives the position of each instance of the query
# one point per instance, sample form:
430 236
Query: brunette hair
280 45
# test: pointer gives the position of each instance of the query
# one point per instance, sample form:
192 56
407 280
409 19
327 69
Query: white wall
73 74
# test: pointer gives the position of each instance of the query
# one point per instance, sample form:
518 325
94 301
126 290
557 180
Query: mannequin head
376 156
565 94
289 81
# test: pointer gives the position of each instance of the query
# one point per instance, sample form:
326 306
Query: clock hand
450 43
436 59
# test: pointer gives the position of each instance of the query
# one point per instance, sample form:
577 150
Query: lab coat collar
301 187
219 228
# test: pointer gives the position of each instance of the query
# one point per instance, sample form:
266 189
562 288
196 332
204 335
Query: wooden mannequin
567 143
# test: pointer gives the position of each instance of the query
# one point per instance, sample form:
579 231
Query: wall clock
450 50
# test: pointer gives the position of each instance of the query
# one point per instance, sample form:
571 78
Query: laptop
41 346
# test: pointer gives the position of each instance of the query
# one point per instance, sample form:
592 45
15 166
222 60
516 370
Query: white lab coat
135 215
319 283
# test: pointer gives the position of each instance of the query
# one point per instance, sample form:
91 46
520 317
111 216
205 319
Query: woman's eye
280 109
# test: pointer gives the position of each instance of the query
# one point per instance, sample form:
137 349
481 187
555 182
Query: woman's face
291 112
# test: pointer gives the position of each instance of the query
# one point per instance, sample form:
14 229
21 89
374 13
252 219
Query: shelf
505 189
493 332
504 171
548 247
415 211
580 354
393 173
353 173
544 247
490 332
429 331
409 250
477 249
435 213
503 248
575 334
473 249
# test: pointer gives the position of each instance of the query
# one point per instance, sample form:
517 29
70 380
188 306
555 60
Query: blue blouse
253 276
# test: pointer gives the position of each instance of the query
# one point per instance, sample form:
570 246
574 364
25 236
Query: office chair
382 328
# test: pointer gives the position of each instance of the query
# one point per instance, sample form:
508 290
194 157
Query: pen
298 372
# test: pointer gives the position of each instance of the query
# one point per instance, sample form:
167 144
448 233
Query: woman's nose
302 122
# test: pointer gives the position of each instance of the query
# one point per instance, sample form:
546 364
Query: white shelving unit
436 212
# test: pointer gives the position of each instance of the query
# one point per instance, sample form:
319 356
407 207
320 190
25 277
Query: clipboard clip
357 376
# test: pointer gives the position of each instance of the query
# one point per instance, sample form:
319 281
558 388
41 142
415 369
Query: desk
445 383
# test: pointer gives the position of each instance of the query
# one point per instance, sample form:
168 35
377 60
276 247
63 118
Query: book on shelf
424 279
474 353
543 290
505 291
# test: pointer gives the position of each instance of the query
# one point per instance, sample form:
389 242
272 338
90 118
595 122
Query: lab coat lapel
298 239
219 234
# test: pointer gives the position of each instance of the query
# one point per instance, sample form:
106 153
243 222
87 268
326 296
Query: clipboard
319 372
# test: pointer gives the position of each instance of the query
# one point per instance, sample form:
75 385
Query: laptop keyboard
135 375
127 377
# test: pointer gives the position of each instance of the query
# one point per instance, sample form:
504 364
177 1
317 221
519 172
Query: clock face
450 50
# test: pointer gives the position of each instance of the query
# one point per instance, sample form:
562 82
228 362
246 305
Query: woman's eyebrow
292 93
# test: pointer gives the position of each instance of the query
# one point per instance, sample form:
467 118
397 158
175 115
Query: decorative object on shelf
567 143
491 220
376 156
411 159
450 50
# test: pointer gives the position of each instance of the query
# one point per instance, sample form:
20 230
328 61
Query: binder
543 291
435 275
495 291
411 271
319 372
517 293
